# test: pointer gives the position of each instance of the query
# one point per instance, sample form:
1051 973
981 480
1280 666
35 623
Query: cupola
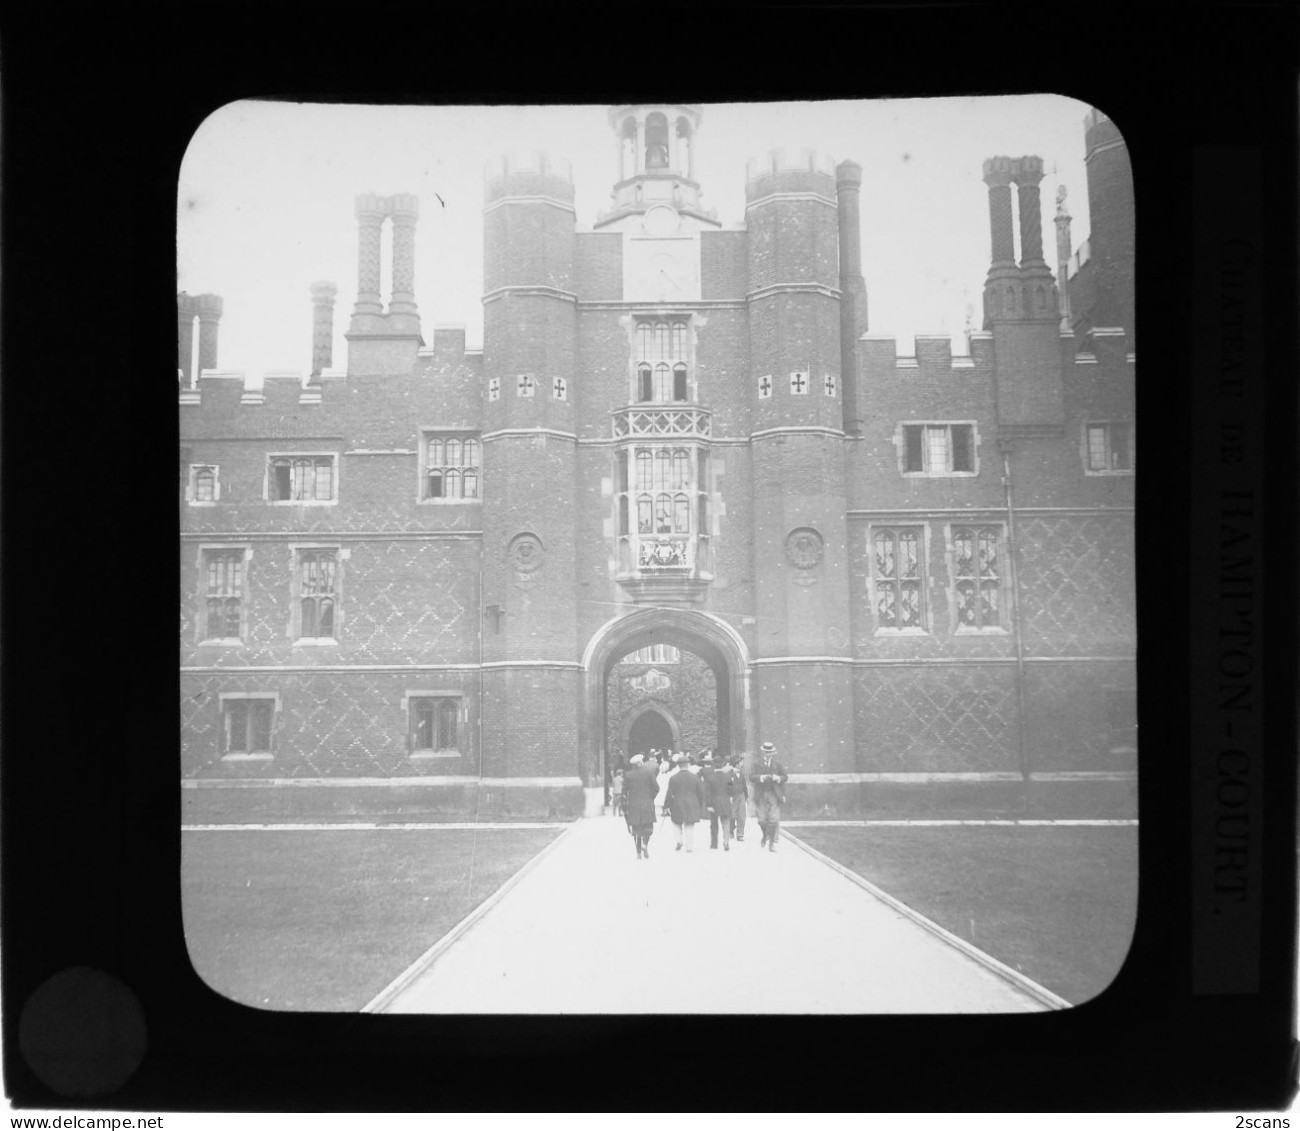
656 162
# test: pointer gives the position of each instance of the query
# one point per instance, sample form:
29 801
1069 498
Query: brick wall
599 266
723 265
329 724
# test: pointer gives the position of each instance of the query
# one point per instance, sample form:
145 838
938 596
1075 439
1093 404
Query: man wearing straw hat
768 777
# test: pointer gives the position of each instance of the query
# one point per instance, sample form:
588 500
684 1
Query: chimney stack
379 340
1027 176
371 211
322 329
404 209
208 308
185 311
997 175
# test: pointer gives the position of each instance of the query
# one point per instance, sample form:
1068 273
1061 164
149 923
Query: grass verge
1057 904
324 920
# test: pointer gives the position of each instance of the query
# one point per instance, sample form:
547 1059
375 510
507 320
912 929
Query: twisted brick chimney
379 340
322 328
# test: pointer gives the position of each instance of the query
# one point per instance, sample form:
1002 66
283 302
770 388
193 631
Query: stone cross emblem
798 383
560 389
526 385
830 384
764 388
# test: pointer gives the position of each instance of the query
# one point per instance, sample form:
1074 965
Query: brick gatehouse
681 493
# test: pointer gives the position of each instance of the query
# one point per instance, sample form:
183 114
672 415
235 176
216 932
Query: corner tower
531 677
800 538
1101 291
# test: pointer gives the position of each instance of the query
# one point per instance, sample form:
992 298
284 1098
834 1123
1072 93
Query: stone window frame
1002 628
438 696
205 550
648 357
226 697
1085 447
191 485
900 445
873 582
335 485
341 554
445 433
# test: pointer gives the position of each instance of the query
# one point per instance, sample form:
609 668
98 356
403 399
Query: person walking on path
718 786
739 798
640 784
768 777
684 802
616 789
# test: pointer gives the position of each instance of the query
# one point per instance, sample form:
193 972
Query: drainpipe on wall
1004 446
480 688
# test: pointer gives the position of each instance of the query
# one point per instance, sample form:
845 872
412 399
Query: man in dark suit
640 785
718 785
684 802
768 778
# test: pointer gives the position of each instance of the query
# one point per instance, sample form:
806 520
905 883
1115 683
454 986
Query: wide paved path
592 929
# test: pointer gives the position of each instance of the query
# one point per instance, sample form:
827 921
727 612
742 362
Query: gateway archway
719 645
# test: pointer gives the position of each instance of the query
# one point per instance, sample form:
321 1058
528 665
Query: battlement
536 174
933 357
775 172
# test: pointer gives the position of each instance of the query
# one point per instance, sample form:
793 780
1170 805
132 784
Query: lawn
1056 903
324 920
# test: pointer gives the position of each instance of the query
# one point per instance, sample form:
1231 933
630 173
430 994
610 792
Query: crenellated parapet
774 173
537 176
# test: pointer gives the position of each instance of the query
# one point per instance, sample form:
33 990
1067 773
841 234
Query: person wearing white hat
768 776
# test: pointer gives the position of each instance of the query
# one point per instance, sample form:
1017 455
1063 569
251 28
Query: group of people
704 784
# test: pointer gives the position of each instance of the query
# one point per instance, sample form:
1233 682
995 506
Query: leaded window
662 506
317 593
224 585
662 362
897 563
246 725
1109 447
301 479
435 725
977 568
203 483
451 466
653 654
938 449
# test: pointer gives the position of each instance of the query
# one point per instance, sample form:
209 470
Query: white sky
265 200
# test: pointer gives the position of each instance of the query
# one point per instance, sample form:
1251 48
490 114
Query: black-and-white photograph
658 558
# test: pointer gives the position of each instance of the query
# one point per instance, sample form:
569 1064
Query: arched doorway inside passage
710 637
651 727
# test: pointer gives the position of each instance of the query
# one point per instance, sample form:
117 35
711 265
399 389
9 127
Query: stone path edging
430 956
1028 985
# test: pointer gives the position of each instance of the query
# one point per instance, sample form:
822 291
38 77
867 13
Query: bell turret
656 162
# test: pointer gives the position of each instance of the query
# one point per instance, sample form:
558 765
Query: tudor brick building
682 495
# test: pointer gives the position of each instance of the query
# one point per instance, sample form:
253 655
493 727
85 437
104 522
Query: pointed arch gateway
711 638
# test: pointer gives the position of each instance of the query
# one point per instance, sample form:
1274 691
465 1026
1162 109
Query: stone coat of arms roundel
526 553
803 546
